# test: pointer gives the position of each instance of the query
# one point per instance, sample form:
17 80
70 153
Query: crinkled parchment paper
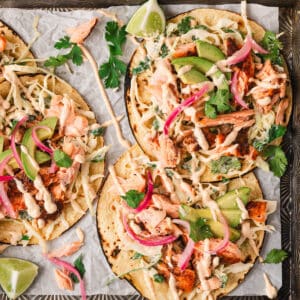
51 26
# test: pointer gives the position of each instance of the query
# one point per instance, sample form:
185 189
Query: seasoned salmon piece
63 280
231 254
81 32
185 50
185 280
190 143
232 118
151 217
3 43
134 182
169 154
257 211
66 250
212 283
163 202
280 114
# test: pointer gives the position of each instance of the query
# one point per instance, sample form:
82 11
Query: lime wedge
16 276
148 21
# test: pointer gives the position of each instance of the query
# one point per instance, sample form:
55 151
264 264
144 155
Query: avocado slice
30 145
228 201
217 229
209 51
1 143
192 76
233 216
202 65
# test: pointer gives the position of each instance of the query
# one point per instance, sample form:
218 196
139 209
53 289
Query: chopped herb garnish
224 280
169 173
200 230
75 54
158 278
218 103
276 159
112 70
78 264
271 43
98 131
225 164
227 30
156 125
276 256
184 25
98 158
25 238
201 27
151 165
142 66
23 214
62 159
225 180
164 51
187 158
137 255
133 198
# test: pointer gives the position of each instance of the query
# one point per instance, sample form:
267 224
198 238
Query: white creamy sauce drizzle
200 137
184 70
243 209
212 70
264 101
105 98
31 159
33 208
41 223
208 202
218 81
271 291
43 194
172 285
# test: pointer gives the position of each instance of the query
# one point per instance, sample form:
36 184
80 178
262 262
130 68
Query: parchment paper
51 26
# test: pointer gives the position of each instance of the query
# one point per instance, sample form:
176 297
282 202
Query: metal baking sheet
289 22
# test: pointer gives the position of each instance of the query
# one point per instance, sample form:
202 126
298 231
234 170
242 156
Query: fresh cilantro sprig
78 264
164 50
275 132
276 256
142 66
158 278
184 25
75 54
114 68
133 198
276 159
62 159
200 230
271 43
218 103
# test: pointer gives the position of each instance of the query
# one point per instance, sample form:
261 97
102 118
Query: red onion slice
38 141
234 90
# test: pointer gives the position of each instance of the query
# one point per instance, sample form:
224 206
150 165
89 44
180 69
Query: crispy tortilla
121 260
12 230
209 17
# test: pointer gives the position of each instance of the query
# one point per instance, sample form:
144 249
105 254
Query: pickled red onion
72 269
37 140
149 241
225 240
186 103
4 200
147 199
6 178
234 90
13 142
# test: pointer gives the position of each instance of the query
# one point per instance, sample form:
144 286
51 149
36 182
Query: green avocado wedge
192 76
209 51
30 145
228 201
233 216
202 65
217 229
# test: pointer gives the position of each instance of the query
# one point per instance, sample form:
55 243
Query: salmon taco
211 93
13 50
175 240
51 157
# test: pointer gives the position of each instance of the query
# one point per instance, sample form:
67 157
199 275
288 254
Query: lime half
16 276
148 21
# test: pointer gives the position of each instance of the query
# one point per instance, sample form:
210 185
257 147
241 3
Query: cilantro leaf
276 159
24 215
142 66
137 255
115 37
276 256
63 43
56 61
224 279
111 72
78 264
133 198
225 164
98 131
25 237
75 55
158 278
200 230
156 124
273 45
98 158
164 50
62 159
218 103
184 25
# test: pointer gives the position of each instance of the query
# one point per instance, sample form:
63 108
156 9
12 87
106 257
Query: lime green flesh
202 65
233 216
193 76
30 145
154 23
228 201
217 229
209 51
16 276
1 143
